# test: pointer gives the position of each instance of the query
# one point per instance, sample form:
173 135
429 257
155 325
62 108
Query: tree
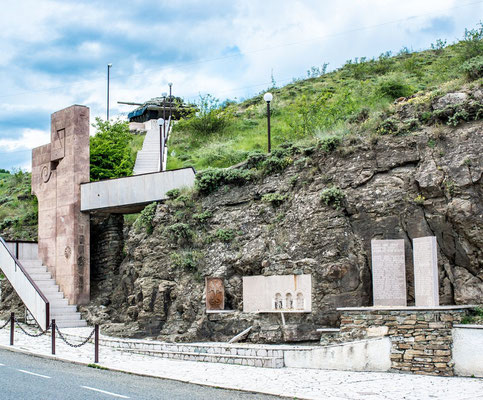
111 155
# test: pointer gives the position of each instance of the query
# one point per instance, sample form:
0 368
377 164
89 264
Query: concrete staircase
65 315
148 159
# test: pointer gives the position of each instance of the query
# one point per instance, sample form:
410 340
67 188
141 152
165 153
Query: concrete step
66 317
41 276
36 270
70 324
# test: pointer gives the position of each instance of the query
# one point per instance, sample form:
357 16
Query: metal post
12 328
53 336
164 116
268 126
96 344
108 76
170 100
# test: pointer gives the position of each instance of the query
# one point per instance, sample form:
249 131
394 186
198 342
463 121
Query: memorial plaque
388 273
426 286
277 293
215 294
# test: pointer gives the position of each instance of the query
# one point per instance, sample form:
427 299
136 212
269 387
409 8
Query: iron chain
74 345
6 323
30 334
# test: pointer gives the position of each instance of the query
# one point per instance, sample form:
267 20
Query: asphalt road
24 377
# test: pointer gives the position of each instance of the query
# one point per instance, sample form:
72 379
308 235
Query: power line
281 45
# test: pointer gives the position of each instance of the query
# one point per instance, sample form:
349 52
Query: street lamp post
170 84
268 98
108 76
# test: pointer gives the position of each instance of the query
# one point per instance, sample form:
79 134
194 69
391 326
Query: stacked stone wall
421 340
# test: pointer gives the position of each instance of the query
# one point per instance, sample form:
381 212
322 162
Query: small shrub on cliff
203 216
332 197
330 143
277 161
180 230
210 180
225 235
187 260
275 199
393 88
173 193
473 68
145 219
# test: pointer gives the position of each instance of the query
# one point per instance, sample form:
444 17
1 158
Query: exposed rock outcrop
401 187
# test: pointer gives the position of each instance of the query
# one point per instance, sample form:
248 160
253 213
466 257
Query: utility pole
108 70
170 100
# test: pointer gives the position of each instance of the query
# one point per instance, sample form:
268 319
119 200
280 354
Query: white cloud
28 139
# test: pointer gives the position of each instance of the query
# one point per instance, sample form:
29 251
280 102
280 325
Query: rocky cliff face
401 187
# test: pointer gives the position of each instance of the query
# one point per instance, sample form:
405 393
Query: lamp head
164 94
109 65
160 122
170 84
268 97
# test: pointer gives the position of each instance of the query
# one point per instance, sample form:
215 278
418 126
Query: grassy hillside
355 100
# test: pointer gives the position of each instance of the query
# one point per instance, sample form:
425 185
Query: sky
54 53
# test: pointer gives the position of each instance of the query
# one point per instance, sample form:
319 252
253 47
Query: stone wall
421 339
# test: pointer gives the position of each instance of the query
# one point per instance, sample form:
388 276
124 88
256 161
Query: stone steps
65 315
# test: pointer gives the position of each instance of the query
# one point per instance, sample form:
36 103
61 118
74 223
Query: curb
56 358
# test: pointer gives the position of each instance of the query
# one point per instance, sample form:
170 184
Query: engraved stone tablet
426 286
215 294
388 273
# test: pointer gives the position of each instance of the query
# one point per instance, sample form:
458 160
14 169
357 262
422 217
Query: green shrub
332 197
145 219
275 199
111 155
472 43
210 118
394 88
211 179
473 68
330 143
188 260
180 231
173 193
202 217
225 235
388 127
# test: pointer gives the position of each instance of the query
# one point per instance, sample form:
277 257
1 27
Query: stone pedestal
58 169
426 286
388 273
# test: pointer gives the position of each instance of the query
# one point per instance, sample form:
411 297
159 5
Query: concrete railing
27 290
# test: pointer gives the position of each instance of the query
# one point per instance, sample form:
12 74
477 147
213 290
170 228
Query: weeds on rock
180 231
419 199
275 199
145 219
202 217
210 180
187 260
332 197
225 235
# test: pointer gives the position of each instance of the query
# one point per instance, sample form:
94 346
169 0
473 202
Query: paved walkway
289 382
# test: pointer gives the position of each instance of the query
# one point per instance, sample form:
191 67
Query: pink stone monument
58 169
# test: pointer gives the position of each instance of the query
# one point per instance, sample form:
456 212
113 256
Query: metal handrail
32 282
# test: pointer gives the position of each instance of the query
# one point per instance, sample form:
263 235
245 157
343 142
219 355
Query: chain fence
6 323
75 346
28 333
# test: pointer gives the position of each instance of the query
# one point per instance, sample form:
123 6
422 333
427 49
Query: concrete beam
131 194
